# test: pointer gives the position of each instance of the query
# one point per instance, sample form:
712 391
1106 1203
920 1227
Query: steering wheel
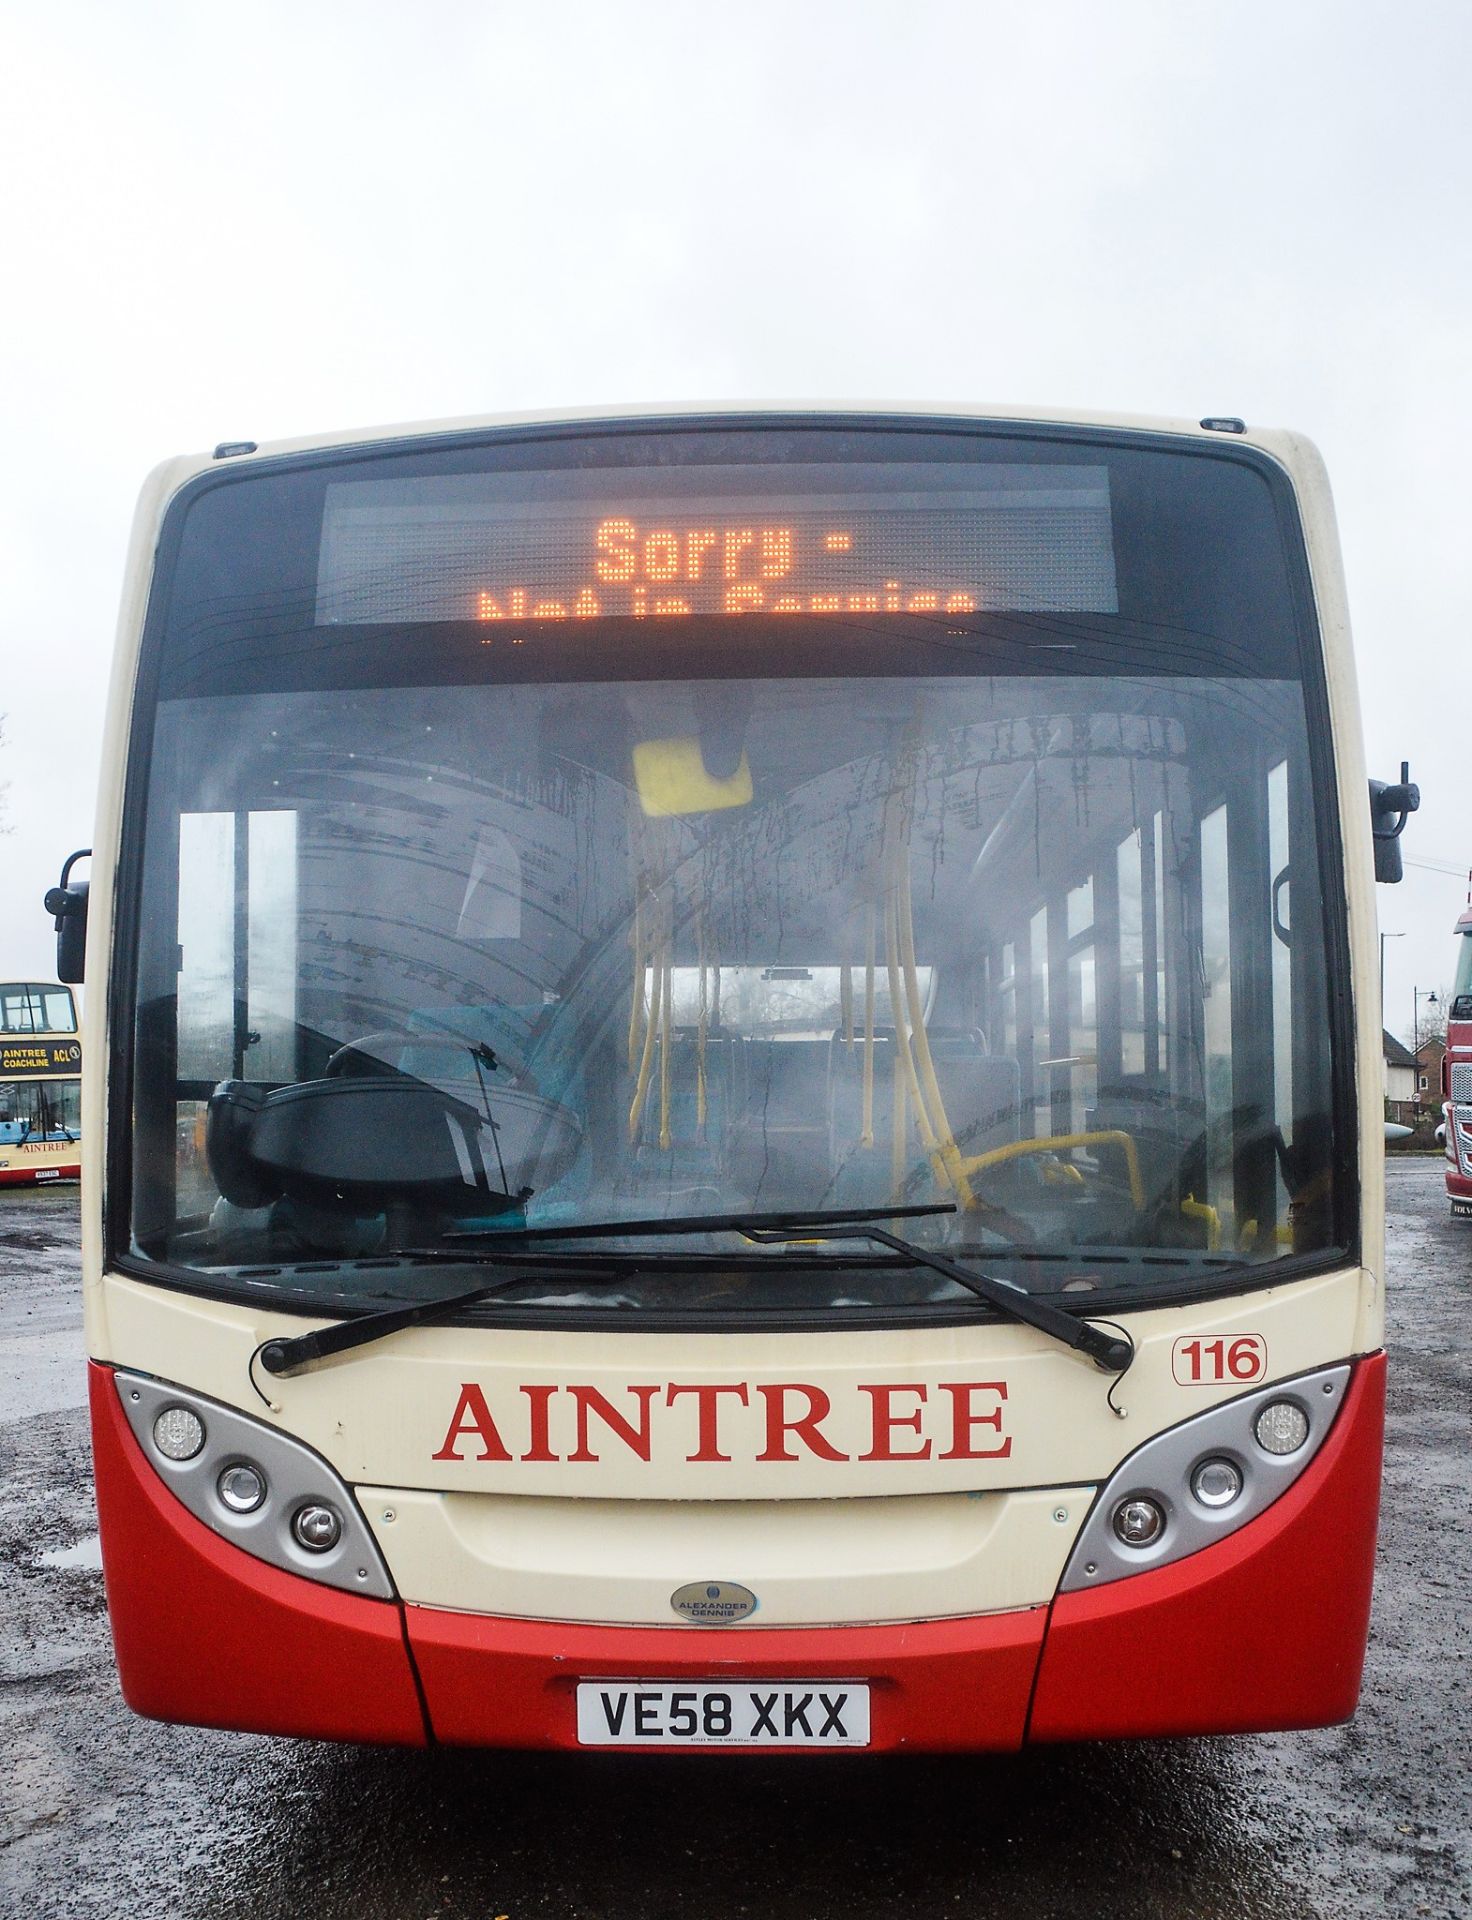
364 1058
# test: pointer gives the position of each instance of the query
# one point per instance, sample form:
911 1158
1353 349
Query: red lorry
1456 1072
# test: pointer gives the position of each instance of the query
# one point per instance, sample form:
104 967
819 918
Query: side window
58 1010
491 909
15 1011
1216 989
237 946
206 946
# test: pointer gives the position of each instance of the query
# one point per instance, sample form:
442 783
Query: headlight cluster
1203 1479
262 1490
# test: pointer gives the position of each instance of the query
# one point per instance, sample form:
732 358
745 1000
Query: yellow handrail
666 1138
659 983
945 1136
928 1137
636 1004
1195 1209
899 1127
1108 1136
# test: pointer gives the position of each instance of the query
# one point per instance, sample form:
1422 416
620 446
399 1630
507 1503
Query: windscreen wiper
1108 1351
282 1357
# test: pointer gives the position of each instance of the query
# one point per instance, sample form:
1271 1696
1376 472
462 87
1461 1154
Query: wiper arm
1107 1350
283 1357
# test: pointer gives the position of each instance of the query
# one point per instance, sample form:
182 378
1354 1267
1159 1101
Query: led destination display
867 540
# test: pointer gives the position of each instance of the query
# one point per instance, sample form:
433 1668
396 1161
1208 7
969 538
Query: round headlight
1281 1427
178 1433
317 1527
1138 1522
1217 1482
241 1488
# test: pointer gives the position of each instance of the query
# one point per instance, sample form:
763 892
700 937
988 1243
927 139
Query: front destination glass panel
877 538
632 823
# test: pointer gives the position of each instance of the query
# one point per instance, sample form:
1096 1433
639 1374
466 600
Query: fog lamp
1281 1427
241 1488
1138 1522
317 1527
1217 1482
177 1433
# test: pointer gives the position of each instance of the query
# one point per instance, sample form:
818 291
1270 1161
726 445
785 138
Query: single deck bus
40 1084
740 1086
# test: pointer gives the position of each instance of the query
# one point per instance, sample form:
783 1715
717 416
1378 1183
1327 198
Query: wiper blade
284 1357
1109 1351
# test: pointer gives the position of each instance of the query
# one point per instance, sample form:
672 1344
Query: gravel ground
104 1814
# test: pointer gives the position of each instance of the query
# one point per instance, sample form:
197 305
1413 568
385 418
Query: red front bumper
37 1176
1266 1629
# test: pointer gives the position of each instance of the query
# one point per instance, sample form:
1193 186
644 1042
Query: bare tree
1431 1020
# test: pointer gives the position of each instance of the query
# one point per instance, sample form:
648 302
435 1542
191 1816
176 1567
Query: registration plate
751 1713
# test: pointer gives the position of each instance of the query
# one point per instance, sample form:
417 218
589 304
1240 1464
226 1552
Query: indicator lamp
317 1527
1216 1482
1281 1427
177 1433
1138 1522
242 1488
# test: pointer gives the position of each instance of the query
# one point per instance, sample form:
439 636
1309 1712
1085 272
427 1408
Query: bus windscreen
636 822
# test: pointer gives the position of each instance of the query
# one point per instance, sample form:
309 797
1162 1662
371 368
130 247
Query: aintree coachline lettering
580 1425
743 568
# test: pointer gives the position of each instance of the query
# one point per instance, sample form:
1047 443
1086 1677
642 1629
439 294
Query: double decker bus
40 1084
1456 1071
740 1084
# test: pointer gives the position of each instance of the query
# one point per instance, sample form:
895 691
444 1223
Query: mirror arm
68 905
1390 808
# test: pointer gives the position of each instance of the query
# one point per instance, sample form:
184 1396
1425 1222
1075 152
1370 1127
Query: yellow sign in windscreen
865 541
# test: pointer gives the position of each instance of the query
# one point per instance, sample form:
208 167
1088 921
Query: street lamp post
1383 938
1416 998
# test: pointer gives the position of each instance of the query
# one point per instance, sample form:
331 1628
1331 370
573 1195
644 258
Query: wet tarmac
104 1814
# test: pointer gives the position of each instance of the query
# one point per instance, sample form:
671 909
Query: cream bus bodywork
906 1535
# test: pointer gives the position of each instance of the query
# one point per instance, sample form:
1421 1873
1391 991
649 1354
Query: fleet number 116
1201 1363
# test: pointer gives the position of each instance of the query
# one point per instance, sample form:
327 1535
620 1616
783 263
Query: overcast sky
253 221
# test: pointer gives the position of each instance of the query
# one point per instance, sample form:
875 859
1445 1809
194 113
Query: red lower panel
30 1177
1264 1630
1458 1185
211 1637
939 1686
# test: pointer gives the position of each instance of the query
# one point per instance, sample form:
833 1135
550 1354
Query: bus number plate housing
746 1713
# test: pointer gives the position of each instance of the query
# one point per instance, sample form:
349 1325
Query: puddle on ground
86 1554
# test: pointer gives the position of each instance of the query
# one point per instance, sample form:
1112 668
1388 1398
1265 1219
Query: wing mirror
1390 808
68 902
